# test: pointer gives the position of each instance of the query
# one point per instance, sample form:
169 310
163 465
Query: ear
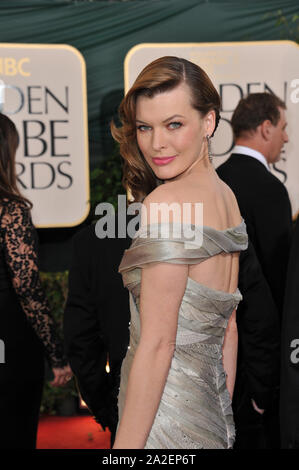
266 129
209 123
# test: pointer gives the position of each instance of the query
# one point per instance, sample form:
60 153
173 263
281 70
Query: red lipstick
163 160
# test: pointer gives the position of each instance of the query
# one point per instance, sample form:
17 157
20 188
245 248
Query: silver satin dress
195 409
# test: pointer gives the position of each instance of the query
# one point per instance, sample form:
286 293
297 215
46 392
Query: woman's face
170 132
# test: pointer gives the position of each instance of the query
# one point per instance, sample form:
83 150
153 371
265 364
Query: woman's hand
61 376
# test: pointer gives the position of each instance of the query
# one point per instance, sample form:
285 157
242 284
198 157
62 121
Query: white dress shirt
251 153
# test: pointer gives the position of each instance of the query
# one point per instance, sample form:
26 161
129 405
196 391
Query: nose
286 137
158 139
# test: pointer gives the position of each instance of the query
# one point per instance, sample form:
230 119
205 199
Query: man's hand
257 409
61 376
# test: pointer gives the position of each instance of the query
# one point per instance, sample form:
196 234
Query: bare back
220 211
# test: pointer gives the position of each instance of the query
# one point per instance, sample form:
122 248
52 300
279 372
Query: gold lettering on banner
216 63
9 66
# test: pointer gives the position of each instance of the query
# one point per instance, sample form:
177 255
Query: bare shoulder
231 200
163 204
162 193
167 202
229 192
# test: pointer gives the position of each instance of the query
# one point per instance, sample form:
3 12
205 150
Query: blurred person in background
289 395
27 329
96 322
259 127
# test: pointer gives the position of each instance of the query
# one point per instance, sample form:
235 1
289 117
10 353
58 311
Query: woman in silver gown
181 270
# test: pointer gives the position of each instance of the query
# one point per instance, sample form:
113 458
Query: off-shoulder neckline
228 229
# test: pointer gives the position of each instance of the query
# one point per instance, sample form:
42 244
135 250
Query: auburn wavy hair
160 75
9 141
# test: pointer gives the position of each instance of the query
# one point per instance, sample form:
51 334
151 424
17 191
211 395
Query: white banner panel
236 69
43 91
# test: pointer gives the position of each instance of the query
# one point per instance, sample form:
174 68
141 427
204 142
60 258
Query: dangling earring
209 148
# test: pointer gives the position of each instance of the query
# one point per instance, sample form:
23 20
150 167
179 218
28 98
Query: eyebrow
165 120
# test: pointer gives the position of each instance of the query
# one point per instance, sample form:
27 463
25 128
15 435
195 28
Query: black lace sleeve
20 251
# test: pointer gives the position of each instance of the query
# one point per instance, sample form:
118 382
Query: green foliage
289 27
53 397
55 286
106 182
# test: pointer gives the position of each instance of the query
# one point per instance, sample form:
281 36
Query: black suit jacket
264 203
96 321
289 399
259 337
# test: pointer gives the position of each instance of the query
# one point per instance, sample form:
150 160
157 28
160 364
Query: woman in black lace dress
27 331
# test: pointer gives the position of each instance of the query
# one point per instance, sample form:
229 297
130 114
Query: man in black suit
258 361
96 322
259 127
289 397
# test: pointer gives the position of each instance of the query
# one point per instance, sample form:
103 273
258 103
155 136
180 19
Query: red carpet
75 432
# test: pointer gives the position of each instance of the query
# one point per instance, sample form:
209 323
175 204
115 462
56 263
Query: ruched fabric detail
195 409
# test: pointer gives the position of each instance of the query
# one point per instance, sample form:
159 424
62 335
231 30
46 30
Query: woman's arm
162 289
20 250
230 351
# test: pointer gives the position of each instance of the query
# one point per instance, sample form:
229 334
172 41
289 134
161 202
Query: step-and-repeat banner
236 69
43 91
